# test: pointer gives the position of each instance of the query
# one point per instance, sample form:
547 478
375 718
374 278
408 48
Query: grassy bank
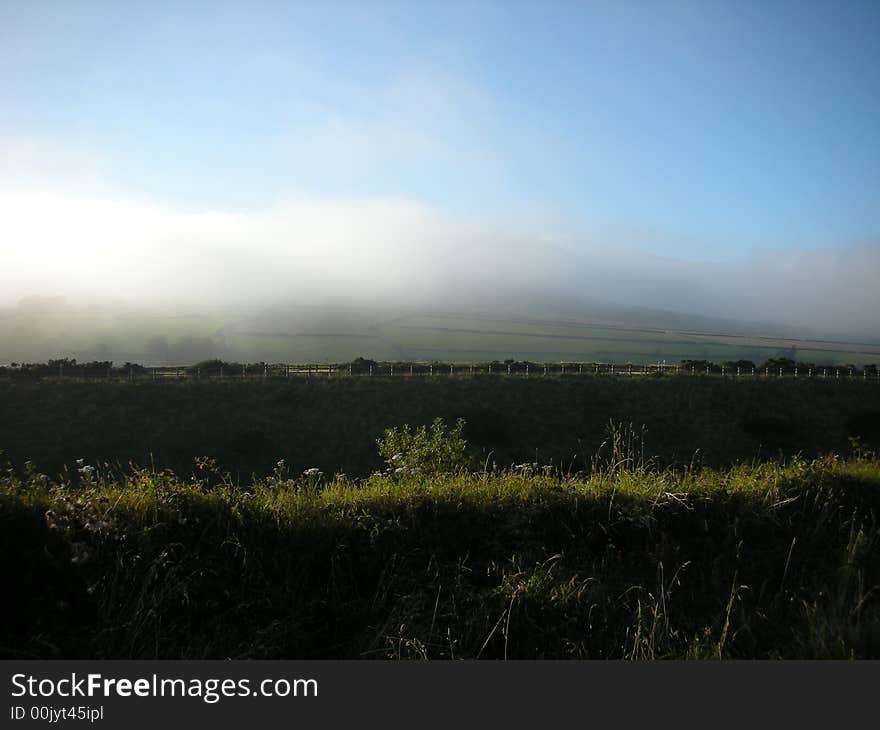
333 424
756 561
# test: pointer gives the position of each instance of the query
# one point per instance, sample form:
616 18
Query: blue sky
704 130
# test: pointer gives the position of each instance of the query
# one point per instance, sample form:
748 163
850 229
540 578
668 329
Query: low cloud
399 252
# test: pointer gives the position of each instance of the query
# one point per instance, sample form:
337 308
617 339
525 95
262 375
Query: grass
465 340
619 561
317 335
333 424
121 337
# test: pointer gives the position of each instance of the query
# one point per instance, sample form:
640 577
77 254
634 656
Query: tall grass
623 561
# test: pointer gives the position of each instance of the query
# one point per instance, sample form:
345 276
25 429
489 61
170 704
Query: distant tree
214 366
743 365
700 366
775 363
363 365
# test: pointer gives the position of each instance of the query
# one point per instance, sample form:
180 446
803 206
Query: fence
277 372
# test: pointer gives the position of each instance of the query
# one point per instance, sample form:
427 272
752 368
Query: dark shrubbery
744 366
215 367
700 366
865 424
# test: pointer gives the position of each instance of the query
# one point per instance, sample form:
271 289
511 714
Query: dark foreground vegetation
429 559
332 424
714 525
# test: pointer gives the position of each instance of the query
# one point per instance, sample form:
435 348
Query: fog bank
395 251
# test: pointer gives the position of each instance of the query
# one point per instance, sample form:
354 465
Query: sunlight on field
338 335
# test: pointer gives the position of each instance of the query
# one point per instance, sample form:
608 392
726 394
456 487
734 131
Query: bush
422 450
215 366
361 366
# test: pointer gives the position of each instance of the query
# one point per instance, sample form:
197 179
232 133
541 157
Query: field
333 423
569 517
485 338
338 334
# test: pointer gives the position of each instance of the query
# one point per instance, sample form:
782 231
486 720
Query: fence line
494 370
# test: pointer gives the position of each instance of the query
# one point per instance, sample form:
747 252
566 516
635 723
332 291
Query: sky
390 142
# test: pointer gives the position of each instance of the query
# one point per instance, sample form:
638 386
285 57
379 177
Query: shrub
422 450
215 366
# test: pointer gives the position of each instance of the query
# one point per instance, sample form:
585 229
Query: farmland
339 333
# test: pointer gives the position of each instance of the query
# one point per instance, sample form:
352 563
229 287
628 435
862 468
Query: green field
102 335
322 335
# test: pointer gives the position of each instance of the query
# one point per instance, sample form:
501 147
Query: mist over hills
320 280
473 326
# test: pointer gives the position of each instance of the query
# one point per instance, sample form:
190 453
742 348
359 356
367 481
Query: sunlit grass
764 560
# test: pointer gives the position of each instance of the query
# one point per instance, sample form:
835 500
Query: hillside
537 328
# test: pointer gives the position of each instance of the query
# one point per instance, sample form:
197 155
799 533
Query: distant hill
470 327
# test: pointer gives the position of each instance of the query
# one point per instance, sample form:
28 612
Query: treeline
107 368
70 366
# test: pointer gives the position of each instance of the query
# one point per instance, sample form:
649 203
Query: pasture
341 334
